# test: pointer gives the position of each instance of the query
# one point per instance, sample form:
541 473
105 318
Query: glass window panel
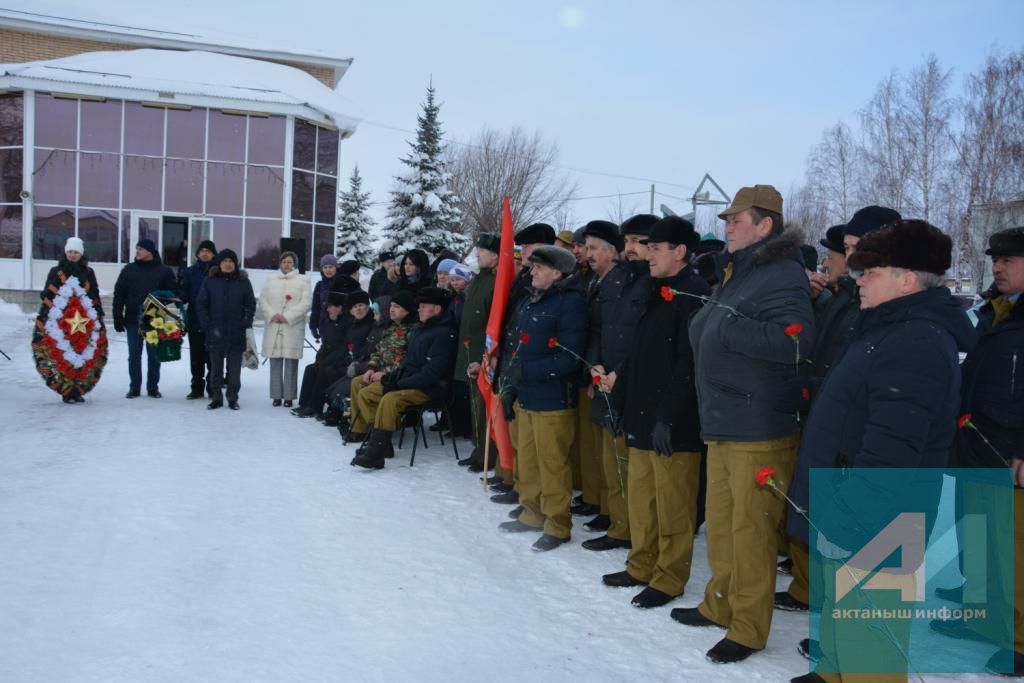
304 147
10 175
262 243
98 229
126 235
227 233
323 242
304 232
184 186
56 122
143 129
264 192
50 230
149 228
186 133
266 140
98 179
12 114
55 176
302 195
327 151
143 181
326 199
101 126
227 136
10 231
225 184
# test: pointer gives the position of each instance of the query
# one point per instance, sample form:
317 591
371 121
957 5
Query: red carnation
794 330
287 297
765 477
595 380
399 332
666 293
964 421
553 342
465 342
524 338
351 347
805 394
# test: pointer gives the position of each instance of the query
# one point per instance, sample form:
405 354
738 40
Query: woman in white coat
284 301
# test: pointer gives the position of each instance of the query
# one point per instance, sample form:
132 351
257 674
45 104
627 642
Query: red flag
504 275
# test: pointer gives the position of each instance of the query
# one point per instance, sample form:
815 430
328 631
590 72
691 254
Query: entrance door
199 229
174 247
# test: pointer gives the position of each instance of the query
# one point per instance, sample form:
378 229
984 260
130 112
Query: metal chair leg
415 442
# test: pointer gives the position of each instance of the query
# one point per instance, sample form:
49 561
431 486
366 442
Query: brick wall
21 46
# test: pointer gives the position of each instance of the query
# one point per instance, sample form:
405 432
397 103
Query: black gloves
508 399
389 382
118 324
662 438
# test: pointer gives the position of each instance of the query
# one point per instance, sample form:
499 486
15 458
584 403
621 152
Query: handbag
250 357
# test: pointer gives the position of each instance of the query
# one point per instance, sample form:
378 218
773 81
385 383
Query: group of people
675 382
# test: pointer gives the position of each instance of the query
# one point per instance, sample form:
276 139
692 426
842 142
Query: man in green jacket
472 334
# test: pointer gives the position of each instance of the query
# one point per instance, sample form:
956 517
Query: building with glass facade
173 145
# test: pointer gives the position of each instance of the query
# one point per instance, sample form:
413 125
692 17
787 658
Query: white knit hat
75 244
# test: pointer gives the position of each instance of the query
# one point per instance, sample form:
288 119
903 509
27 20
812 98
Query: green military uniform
370 405
587 452
545 477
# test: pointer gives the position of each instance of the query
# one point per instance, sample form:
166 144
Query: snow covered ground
153 540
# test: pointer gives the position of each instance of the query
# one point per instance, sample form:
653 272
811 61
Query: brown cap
761 196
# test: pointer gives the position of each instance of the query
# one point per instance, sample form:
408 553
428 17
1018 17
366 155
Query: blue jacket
890 401
189 282
546 376
225 307
135 282
429 358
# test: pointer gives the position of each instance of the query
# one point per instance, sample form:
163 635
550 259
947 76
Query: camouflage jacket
391 348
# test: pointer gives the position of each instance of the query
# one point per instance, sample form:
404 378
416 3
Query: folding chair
413 417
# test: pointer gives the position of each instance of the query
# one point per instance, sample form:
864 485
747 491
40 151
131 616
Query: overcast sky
663 91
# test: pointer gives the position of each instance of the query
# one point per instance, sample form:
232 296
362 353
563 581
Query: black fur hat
810 255
607 231
639 224
538 233
357 297
869 219
433 295
913 245
833 239
336 299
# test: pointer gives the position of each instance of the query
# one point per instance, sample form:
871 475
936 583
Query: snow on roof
186 77
96 26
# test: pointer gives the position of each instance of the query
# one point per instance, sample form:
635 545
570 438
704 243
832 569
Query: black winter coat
318 309
518 294
137 280
225 307
993 390
618 303
332 352
357 334
746 364
834 322
189 282
380 285
86 278
429 358
890 402
657 384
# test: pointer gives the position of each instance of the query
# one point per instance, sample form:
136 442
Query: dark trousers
200 361
315 382
234 373
135 344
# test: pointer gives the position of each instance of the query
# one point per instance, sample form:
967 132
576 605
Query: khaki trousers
662 514
741 519
545 476
799 587
615 463
372 406
588 443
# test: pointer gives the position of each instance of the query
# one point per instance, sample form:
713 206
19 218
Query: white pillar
286 205
27 167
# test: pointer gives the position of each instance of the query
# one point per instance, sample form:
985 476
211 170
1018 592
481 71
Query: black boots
652 597
622 579
728 651
605 542
377 448
787 603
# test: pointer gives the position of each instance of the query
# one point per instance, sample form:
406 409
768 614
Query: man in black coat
423 377
657 399
331 357
191 280
890 402
226 306
380 284
992 394
748 343
146 274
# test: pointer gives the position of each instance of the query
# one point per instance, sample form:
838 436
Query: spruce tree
423 210
352 236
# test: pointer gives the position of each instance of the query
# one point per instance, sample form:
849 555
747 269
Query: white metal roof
49 23
194 77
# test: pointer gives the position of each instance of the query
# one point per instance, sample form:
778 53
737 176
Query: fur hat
913 245
337 299
348 267
605 230
833 239
538 233
75 244
1009 242
225 255
869 219
328 260
673 230
405 299
149 245
560 259
433 295
491 241
639 224
709 246
385 256
357 297
207 244
810 255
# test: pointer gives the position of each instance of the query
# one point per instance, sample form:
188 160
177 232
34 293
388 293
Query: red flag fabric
504 275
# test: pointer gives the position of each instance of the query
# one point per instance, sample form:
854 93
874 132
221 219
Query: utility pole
652 197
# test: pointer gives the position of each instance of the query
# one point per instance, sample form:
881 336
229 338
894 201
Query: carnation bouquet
162 327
